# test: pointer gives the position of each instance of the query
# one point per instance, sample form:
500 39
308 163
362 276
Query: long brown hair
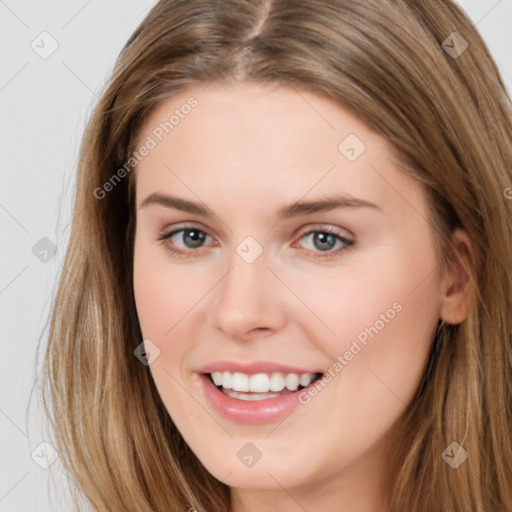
446 114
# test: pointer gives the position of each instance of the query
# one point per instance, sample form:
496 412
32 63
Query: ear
458 288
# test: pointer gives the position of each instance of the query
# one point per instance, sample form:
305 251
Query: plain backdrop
44 105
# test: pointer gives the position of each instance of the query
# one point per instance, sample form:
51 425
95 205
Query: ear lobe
458 294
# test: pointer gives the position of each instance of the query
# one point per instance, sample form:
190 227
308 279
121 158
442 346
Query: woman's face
299 248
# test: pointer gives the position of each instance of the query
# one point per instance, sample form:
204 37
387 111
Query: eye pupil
326 241
195 236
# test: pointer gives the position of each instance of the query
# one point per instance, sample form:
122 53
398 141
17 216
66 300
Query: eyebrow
286 212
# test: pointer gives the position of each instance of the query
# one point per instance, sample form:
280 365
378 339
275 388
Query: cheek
377 323
154 298
163 296
394 294
163 293
383 319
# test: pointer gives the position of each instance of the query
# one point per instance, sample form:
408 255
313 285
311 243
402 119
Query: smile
254 393
260 386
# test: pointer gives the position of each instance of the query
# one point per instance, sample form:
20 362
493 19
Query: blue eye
327 243
324 243
192 238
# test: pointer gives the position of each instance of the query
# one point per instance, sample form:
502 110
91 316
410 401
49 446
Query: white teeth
227 380
250 397
277 382
261 382
292 381
306 379
240 382
217 378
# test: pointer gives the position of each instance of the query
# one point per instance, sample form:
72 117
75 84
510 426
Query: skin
244 152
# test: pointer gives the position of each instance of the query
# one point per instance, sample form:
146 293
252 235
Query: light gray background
44 106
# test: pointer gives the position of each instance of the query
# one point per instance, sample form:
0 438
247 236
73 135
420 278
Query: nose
248 301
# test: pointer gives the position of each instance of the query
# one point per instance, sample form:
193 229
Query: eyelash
327 255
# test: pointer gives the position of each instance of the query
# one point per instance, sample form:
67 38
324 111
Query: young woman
288 280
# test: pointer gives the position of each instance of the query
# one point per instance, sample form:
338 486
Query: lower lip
251 412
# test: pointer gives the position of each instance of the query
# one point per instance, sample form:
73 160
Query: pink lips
249 412
251 368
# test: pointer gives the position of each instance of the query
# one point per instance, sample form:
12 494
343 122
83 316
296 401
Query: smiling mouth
260 386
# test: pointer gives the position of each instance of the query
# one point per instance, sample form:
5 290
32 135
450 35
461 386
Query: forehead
277 142
260 113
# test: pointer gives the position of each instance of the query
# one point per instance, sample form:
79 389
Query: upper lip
253 367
